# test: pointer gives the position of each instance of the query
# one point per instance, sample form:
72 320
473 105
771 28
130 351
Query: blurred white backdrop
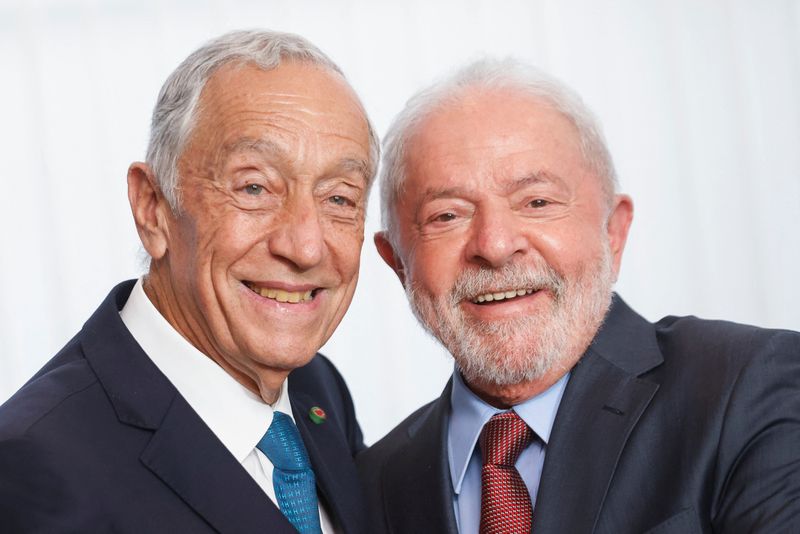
700 103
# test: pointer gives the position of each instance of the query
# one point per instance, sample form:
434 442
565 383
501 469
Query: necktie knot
503 438
283 445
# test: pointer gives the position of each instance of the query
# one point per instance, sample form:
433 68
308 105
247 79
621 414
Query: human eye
542 206
341 200
444 217
340 197
342 203
442 214
255 193
442 220
254 189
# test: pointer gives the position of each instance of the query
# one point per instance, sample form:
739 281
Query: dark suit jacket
679 427
100 441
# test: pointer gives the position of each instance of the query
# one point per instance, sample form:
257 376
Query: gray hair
488 74
175 112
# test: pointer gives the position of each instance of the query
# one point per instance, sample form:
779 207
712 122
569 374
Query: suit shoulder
720 364
320 374
398 436
319 369
62 378
724 340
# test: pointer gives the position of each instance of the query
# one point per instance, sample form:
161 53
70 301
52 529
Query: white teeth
292 297
502 295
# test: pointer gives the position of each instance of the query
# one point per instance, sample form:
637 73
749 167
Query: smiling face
505 243
260 263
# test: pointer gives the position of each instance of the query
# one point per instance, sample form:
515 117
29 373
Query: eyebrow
355 165
270 148
539 177
533 178
251 144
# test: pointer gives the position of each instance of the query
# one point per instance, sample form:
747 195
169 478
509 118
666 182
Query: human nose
299 237
496 237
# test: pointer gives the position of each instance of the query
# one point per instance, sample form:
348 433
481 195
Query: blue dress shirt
468 415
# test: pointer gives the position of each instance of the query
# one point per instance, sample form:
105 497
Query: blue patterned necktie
292 476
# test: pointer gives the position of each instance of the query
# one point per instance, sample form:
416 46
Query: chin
506 370
285 360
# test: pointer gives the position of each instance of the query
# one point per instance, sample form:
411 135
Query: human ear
617 227
389 255
150 209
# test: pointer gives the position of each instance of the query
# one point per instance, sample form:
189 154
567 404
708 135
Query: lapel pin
317 415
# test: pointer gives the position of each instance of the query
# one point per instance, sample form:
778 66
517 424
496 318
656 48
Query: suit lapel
331 459
188 458
183 452
418 493
600 407
602 403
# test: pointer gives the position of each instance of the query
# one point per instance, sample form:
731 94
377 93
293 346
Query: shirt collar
469 413
237 416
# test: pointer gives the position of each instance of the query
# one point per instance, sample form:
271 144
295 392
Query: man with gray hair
567 412
193 400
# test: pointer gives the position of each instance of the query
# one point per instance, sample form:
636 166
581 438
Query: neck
509 395
264 382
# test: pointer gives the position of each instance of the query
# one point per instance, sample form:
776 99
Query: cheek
344 244
230 237
436 266
568 249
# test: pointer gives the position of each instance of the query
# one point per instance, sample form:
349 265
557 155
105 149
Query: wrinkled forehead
472 113
316 87
243 103
485 127
293 88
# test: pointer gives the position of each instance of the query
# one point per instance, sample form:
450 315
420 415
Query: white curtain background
699 100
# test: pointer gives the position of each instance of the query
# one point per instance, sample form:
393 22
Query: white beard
525 348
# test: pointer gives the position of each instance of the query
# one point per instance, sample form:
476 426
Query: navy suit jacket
682 426
100 441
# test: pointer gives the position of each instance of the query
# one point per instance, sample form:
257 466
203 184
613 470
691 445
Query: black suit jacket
100 441
679 427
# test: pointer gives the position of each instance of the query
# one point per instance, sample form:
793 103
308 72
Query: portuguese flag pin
317 415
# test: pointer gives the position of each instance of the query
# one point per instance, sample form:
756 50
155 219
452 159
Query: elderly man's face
503 242
263 257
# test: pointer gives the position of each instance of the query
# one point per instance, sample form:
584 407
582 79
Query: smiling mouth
502 295
281 295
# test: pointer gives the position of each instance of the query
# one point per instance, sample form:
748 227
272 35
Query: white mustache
470 284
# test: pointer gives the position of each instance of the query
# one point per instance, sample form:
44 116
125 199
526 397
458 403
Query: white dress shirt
237 416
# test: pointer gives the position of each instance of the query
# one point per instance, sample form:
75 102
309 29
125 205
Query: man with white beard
567 412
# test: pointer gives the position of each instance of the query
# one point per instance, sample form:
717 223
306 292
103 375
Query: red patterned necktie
505 504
